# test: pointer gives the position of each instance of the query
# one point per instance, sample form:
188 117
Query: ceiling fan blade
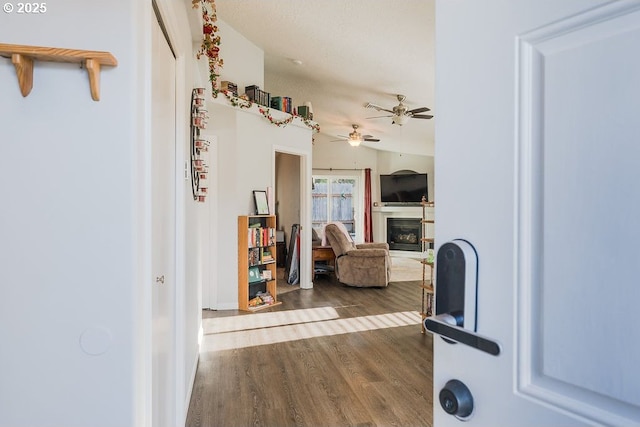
338 140
377 117
377 107
419 110
371 140
422 116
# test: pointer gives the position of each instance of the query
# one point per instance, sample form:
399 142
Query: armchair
359 265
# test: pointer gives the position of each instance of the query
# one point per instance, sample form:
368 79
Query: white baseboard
227 306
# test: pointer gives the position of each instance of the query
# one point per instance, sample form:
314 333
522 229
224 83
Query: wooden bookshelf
256 253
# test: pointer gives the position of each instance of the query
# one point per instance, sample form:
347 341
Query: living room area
288 154
338 191
125 234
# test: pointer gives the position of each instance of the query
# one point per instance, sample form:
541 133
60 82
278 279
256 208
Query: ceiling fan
400 113
355 138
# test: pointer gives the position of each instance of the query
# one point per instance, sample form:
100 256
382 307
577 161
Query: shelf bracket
24 70
93 68
23 58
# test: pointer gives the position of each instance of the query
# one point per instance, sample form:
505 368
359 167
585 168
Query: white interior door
163 196
537 162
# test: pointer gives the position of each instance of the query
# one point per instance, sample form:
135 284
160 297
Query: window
336 198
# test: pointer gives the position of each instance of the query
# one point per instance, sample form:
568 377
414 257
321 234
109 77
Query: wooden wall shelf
23 58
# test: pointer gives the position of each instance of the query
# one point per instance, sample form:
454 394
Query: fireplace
404 234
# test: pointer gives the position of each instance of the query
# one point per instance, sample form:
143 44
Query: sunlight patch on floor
298 330
216 325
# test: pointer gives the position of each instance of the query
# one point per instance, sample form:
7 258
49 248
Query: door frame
168 14
305 207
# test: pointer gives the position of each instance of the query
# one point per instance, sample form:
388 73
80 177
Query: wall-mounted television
403 188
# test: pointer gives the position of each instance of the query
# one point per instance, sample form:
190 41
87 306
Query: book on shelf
282 103
286 104
303 111
254 256
258 236
276 103
266 255
266 297
254 275
261 298
251 92
264 98
228 86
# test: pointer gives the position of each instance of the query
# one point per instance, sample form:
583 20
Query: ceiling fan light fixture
355 137
399 119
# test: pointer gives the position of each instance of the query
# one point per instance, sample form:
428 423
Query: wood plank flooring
329 356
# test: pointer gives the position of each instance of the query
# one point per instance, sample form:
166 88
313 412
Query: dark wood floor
330 356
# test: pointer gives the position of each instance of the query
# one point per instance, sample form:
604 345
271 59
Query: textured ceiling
352 52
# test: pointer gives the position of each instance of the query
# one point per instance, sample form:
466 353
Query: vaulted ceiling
340 54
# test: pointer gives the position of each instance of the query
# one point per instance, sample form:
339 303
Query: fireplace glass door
404 234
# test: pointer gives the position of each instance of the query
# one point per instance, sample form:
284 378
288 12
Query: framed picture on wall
262 206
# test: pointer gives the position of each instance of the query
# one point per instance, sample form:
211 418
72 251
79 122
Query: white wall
340 155
246 145
243 61
74 225
68 223
223 125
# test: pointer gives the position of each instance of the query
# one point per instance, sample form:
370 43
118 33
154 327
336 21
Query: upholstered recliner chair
360 265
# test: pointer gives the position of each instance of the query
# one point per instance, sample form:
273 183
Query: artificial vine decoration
210 41
280 123
242 102
235 101
310 123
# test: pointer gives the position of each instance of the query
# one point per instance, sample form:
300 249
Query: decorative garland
210 41
280 123
210 48
243 102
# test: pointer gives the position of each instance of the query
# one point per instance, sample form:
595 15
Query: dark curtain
368 222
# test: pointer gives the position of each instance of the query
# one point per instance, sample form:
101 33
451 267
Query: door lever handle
442 326
456 297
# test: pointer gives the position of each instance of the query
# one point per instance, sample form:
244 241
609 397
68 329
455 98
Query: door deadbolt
456 399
